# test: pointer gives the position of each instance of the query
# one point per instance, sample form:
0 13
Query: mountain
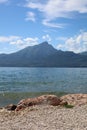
42 55
83 53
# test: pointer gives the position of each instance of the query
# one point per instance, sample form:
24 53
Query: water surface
17 83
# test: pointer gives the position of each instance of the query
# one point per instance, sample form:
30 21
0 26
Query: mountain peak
44 48
45 42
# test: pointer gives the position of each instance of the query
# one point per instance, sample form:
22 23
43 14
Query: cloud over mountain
77 43
18 41
46 37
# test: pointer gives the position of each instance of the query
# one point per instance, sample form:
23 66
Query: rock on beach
70 99
41 100
75 99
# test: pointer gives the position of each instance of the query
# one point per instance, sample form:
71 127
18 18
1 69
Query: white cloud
50 24
30 16
4 39
30 41
77 43
34 5
47 38
24 42
18 41
59 8
3 1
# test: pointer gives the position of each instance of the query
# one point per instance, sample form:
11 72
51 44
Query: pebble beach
45 117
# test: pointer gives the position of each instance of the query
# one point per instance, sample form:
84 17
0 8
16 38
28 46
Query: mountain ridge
43 55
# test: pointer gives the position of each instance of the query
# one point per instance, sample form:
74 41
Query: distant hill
83 53
43 55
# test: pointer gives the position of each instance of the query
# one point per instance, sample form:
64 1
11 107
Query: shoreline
14 97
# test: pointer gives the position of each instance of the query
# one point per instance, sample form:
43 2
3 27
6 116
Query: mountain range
43 55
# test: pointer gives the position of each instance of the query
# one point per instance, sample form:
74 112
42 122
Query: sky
63 23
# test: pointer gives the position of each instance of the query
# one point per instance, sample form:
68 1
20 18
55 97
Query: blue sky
63 23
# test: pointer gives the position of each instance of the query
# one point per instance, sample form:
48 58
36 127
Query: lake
18 83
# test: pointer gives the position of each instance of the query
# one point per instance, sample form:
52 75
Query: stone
75 99
62 103
44 99
11 107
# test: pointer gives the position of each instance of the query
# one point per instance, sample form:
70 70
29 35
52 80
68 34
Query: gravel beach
45 117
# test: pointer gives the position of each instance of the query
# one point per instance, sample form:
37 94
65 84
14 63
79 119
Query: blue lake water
21 81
